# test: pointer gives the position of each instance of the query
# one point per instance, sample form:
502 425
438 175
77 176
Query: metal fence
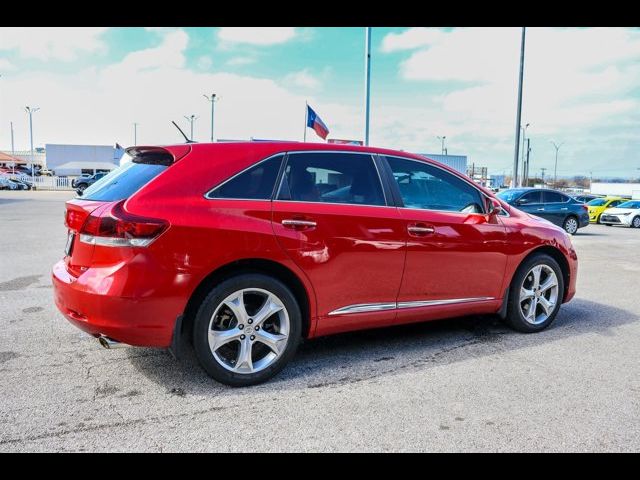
44 182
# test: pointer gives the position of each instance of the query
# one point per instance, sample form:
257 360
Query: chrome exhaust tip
109 343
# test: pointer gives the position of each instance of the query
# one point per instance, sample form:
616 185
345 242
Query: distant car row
7 183
22 170
572 213
84 181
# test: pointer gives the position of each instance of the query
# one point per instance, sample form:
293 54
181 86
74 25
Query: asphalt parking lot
466 384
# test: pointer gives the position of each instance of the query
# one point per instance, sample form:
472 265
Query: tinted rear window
123 182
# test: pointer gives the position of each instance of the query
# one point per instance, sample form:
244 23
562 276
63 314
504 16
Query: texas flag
314 121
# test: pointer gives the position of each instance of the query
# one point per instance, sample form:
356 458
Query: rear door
333 217
531 202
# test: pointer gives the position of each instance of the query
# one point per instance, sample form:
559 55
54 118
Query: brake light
585 207
111 226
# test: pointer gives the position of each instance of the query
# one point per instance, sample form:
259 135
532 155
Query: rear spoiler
152 155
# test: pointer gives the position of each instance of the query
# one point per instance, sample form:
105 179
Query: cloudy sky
581 87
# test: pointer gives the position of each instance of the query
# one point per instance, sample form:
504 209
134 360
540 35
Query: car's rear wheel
535 295
570 225
247 329
81 188
635 223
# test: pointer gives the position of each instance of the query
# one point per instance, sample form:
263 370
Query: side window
554 197
531 197
333 177
427 187
256 183
615 203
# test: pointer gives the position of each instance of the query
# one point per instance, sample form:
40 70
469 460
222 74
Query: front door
331 217
456 253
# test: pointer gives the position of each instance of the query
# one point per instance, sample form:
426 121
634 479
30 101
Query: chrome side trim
364 307
376 307
429 303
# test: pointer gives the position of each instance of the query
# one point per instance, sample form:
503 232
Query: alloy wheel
636 222
249 330
571 225
538 294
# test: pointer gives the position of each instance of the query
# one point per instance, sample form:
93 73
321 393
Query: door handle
296 223
420 229
540 209
564 208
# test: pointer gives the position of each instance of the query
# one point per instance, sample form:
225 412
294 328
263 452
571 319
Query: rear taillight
585 207
111 226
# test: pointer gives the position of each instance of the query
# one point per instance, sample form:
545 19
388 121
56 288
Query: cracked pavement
467 384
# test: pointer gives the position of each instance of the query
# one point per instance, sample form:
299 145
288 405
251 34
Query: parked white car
627 214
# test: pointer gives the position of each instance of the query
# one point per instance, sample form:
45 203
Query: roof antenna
180 130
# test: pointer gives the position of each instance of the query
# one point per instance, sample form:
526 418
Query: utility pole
12 147
555 168
542 170
514 180
135 133
444 150
213 99
367 82
191 119
30 111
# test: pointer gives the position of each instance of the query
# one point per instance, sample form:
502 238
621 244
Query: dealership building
72 160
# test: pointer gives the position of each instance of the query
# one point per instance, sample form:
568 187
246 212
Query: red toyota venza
245 249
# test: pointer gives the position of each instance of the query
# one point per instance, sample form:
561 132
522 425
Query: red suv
247 248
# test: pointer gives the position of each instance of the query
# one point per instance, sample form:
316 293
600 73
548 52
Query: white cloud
52 43
410 39
6 65
303 78
205 62
256 35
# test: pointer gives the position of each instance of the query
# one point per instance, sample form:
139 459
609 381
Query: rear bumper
116 302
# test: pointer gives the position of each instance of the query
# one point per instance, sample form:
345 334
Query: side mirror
495 207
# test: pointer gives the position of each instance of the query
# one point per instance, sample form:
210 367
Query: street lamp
213 99
30 111
555 168
191 119
442 139
135 133
524 133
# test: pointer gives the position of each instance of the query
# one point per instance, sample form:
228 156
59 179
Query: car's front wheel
247 329
81 188
570 225
536 294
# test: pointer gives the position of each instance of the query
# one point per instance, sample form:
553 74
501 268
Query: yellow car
599 205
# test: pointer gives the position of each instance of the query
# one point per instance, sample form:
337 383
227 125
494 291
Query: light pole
442 139
524 135
367 81
555 168
191 119
30 111
514 180
135 133
213 99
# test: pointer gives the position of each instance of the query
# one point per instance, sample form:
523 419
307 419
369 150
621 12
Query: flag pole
367 82
306 119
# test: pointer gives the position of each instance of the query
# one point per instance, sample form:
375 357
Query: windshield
509 195
632 204
597 202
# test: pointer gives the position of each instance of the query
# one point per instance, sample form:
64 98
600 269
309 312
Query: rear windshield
123 182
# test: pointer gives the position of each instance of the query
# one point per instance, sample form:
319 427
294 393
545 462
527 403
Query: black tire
208 308
635 222
515 319
608 224
81 187
571 225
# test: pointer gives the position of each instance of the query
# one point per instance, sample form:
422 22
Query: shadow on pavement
353 357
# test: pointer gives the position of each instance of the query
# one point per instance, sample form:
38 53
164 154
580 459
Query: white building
620 189
77 159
